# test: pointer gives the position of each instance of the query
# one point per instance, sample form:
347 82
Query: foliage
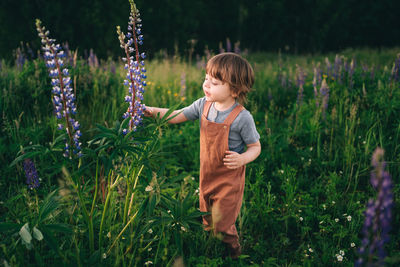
132 200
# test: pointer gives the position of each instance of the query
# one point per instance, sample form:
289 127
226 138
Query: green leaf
49 205
59 227
9 226
37 234
25 234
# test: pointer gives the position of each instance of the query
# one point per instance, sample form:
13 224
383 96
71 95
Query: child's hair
232 69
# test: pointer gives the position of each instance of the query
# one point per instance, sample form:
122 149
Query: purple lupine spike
182 92
228 45
328 67
315 79
135 77
300 77
395 77
32 177
351 72
337 69
324 95
378 213
63 97
236 47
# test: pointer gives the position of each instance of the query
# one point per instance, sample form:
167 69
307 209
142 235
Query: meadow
132 200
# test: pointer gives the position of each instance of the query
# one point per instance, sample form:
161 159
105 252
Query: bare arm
233 160
153 111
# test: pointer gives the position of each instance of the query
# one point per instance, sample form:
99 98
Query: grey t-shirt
242 131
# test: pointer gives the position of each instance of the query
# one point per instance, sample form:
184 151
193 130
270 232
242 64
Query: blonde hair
232 69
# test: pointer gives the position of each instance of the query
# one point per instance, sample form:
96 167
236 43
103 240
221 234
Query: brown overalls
221 189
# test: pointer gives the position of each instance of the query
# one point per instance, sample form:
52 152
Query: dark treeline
295 26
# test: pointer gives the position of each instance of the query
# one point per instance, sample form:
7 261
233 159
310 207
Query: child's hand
148 112
233 160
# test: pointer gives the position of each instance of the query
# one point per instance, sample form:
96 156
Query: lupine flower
62 93
135 66
221 48
92 59
300 84
395 70
315 87
228 45
351 73
236 47
20 58
337 69
324 94
378 213
328 67
32 177
182 93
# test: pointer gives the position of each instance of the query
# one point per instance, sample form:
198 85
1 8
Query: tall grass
304 197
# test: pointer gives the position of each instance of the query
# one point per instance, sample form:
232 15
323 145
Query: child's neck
222 106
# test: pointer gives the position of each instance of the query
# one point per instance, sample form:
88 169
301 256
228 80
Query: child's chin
208 98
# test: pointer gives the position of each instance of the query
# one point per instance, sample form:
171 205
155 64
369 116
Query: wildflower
104 255
336 220
148 263
316 80
183 229
109 234
337 67
63 96
339 257
341 252
32 177
136 72
324 94
301 219
150 231
348 218
352 245
311 250
378 213
182 93
300 84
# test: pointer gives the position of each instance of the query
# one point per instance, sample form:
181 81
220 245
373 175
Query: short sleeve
248 129
193 112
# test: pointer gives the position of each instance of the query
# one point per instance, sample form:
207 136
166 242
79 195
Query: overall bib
221 189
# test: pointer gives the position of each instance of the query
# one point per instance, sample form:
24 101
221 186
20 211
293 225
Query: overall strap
234 113
206 108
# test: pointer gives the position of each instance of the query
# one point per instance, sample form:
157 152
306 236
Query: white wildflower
150 231
104 255
341 252
148 263
348 218
336 219
301 219
339 257
352 245
311 250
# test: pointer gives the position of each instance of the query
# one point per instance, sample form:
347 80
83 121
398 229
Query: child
225 129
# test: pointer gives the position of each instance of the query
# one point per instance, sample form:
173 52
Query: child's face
216 90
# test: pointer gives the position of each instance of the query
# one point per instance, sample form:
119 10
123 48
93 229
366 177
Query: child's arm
153 111
233 160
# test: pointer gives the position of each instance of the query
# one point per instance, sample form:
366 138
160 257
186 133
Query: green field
133 202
